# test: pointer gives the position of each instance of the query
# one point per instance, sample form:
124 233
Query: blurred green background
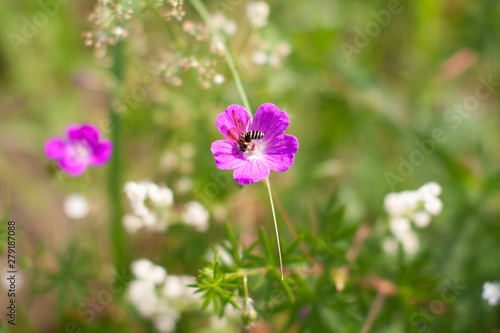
362 91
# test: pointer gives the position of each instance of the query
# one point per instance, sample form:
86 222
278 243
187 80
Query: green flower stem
205 15
115 180
245 286
275 223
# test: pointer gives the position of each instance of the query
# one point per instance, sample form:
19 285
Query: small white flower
143 295
135 192
260 58
491 292
118 31
417 206
431 189
196 215
422 219
76 206
227 25
258 13
400 226
173 287
176 287
409 199
217 44
433 206
283 49
132 223
165 323
410 242
144 269
162 197
393 205
219 79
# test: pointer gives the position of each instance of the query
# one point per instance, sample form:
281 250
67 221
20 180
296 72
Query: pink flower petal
227 154
279 154
55 148
72 165
101 153
270 120
85 132
225 120
251 172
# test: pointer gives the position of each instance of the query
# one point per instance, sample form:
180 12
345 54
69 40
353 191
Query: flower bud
249 313
339 277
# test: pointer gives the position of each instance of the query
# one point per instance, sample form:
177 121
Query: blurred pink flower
82 147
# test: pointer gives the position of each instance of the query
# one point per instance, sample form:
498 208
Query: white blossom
260 58
76 206
228 26
132 223
219 79
258 13
400 226
144 269
150 205
422 219
410 242
283 49
418 206
196 215
491 292
158 296
142 294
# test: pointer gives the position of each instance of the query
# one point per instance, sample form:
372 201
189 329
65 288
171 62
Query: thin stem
205 15
115 181
291 226
245 286
275 224
374 310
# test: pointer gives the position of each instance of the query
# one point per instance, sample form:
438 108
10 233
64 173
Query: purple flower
81 148
254 147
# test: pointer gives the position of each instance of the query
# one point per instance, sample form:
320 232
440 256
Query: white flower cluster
150 205
159 296
491 292
404 207
272 56
258 12
227 26
268 53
